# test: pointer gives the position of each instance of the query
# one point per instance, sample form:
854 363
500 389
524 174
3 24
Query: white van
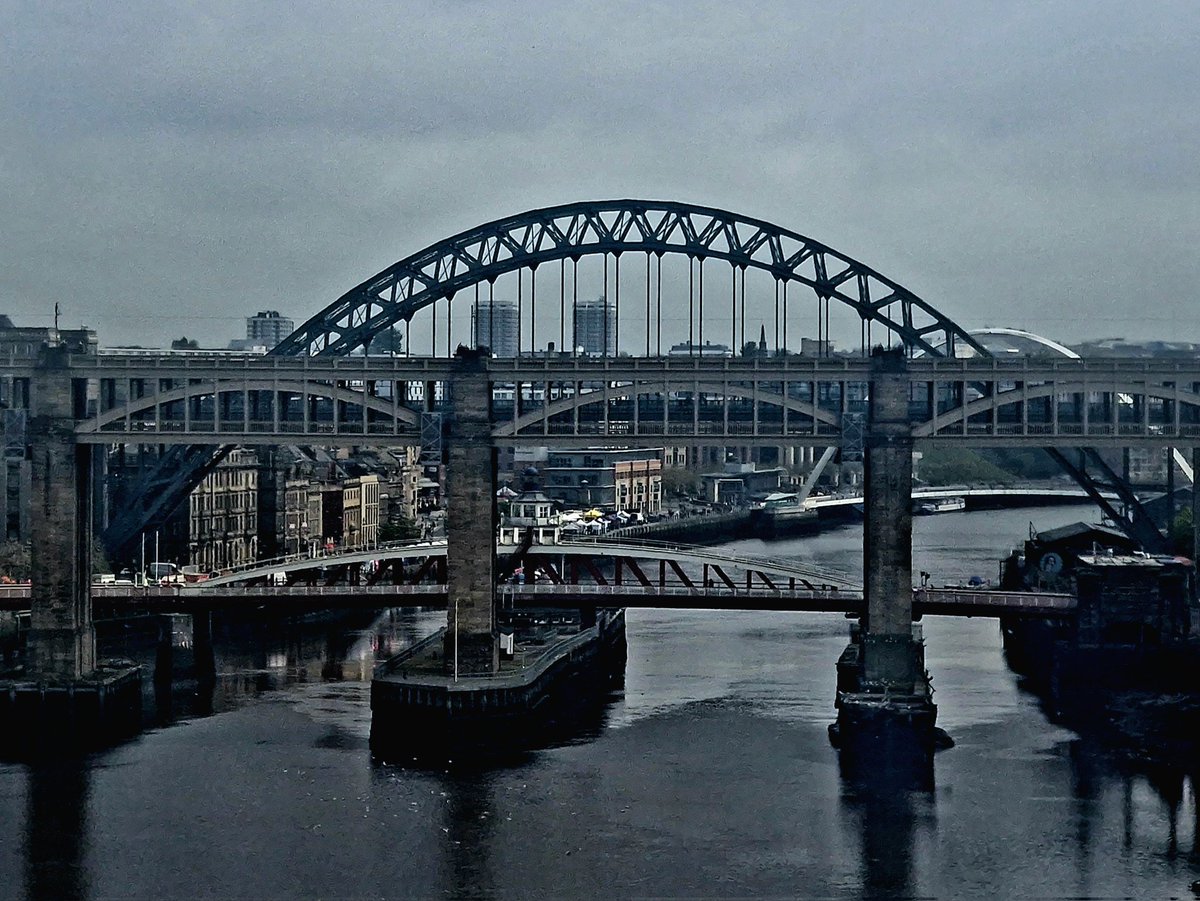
163 572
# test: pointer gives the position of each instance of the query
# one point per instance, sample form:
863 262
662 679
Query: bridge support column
62 642
472 643
65 696
1195 503
885 708
887 530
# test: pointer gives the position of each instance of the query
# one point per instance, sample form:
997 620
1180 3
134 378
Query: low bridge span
113 601
597 561
1013 494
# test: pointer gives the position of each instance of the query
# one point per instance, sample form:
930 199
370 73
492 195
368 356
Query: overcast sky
168 171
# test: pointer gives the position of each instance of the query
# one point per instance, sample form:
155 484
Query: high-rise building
494 326
268 328
596 328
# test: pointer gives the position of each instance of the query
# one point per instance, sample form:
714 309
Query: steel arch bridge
653 229
614 228
572 232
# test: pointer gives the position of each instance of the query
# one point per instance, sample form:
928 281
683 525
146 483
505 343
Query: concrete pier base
69 715
418 713
888 725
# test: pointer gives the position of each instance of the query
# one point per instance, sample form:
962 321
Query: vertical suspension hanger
743 305
604 313
533 309
658 306
617 305
776 317
475 319
733 318
691 309
647 303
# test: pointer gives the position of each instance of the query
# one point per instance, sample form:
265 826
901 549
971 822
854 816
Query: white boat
941 505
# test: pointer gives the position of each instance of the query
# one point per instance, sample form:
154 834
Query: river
711 777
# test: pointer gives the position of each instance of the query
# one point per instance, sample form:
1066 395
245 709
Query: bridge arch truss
617 228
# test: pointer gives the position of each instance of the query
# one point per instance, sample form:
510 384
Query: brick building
612 478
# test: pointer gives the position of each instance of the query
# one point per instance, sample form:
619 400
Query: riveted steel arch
615 227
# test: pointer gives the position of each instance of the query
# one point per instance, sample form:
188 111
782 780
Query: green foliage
401 529
679 482
185 343
960 465
1181 533
1023 462
390 341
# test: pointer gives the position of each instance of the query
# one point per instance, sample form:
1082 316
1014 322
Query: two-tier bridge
604 373
220 399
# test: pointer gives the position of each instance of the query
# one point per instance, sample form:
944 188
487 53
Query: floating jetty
549 672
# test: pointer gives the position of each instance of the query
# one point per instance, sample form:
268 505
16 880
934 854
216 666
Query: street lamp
583 483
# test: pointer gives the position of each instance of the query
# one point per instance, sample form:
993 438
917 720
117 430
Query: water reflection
208 664
887 804
469 818
55 827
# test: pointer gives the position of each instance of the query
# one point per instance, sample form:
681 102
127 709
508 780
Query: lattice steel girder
1134 521
575 230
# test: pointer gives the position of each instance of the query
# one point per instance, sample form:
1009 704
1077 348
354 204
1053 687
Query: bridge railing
837 597
766 564
523 667
323 554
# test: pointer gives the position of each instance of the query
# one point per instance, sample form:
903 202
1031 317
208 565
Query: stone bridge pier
884 702
64 693
472 643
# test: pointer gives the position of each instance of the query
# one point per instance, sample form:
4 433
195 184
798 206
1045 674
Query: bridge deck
572 401
926 602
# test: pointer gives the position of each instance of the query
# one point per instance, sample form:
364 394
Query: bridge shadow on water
193 672
566 718
889 815
55 829
889 807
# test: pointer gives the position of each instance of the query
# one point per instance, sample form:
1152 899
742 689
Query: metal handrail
800 570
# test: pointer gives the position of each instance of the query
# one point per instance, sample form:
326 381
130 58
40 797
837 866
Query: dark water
711 777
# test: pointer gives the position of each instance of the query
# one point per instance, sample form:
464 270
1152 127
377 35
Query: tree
960 465
1181 532
185 343
679 482
390 341
400 529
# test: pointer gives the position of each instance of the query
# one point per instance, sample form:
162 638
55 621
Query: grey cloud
169 170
